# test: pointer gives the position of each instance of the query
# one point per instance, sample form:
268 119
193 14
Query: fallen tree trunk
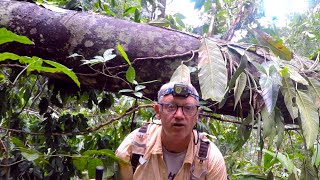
154 52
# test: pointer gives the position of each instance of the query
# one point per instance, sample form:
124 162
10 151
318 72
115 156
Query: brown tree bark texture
155 52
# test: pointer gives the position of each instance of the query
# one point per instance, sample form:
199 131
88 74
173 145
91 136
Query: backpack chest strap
200 163
139 145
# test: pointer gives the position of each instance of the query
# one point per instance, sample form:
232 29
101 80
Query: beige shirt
155 168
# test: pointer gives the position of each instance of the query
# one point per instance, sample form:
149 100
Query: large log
155 52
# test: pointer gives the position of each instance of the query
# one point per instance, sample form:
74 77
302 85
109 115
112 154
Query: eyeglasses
188 110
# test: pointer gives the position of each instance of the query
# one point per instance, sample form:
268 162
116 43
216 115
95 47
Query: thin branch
128 112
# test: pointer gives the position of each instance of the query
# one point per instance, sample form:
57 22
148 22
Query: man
172 149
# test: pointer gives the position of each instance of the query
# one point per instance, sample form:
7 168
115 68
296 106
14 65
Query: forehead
180 100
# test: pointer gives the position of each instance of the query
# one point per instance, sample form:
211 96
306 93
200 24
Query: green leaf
8 36
139 87
284 160
280 127
276 46
244 132
161 22
241 83
105 152
309 117
138 94
131 74
213 72
80 163
124 54
92 164
294 75
240 69
315 84
269 124
270 85
8 56
289 94
259 67
30 156
308 171
181 74
125 90
108 55
17 142
316 155
61 68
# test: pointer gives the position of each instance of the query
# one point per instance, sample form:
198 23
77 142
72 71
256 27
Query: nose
179 112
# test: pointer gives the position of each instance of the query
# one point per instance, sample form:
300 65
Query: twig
129 111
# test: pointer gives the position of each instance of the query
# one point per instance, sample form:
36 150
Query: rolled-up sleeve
216 165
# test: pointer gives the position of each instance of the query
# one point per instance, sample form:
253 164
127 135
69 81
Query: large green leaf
294 75
316 155
315 84
6 56
8 36
309 117
61 68
130 74
80 163
280 127
269 124
289 94
213 72
276 46
124 54
284 160
270 85
239 88
181 74
92 164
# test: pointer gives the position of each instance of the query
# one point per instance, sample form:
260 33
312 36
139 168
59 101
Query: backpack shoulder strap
139 145
200 162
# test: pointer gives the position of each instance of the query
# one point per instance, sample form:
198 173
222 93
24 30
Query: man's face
177 123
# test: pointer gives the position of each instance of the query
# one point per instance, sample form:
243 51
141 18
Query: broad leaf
297 77
308 171
239 88
161 22
8 56
315 84
289 93
124 54
276 46
316 155
181 74
80 163
270 85
269 124
92 164
30 156
284 160
213 72
131 74
240 69
309 117
8 36
61 68
280 127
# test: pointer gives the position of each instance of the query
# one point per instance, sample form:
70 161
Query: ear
156 108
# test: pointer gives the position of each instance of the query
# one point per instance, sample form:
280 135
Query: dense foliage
49 133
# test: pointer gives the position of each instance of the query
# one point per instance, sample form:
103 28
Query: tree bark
155 52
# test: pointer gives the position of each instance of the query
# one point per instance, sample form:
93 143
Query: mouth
178 124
